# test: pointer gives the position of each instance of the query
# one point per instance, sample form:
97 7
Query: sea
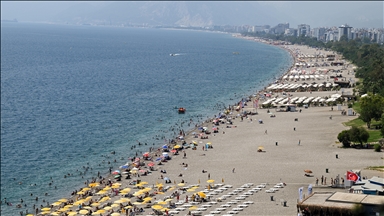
73 95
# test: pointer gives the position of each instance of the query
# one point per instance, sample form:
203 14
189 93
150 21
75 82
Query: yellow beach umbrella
210 181
191 190
45 212
88 198
125 199
193 208
118 201
157 207
72 213
115 214
68 206
167 200
29 215
137 203
86 189
177 147
147 199
105 199
96 213
102 192
126 190
181 184
159 185
162 202
201 194
102 211
55 213
117 183
63 200
83 211
46 209
115 186
94 184
144 183
138 193
81 193
123 193
95 204
80 201
194 142
147 189
106 188
56 203
87 207
128 207
115 205
107 208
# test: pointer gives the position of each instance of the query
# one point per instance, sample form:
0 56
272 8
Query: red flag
351 176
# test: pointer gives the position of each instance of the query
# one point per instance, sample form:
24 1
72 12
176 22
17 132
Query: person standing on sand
209 175
299 142
266 132
233 170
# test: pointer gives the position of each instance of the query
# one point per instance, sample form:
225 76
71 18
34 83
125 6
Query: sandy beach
289 148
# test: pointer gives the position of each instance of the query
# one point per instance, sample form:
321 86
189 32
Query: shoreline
219 138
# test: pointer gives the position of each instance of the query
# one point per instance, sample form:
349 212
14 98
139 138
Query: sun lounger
220 209
180 209
225 206
173 212
248 202
232 212
237 209
206 206
214 212
242 206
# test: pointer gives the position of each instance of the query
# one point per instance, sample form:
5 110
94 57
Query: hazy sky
315 13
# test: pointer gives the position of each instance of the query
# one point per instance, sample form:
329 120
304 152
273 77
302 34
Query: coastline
218 160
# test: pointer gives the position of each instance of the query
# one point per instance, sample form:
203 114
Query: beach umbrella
87 207
115 205
176 147
209 143
157 207
29 215
165 209
115 186
137 193
102 192
167 200
94 184
210 181
147 189
147 198
86 189
63 200
71 213
261 147
102 211
81 193
117 176
308 171
214 128
118 201
201 194
45 212
83 211
146 154
79 202
104 199
128 207
162 202
194 142
191 190
124 167
115 214
165 146
137 203
68 206
125 190
88 198
107 208
56 203
181 184
173 151
55 213
135 168
96 213
95 204
46 209
106 188
151 164
193 208
125 199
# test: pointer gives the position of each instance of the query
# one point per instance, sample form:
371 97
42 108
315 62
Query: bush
377 147
350 105
344 138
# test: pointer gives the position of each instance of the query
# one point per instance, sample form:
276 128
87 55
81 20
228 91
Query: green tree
382 125
358 134
344 138
372 107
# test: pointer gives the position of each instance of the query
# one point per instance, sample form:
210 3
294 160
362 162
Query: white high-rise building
345 30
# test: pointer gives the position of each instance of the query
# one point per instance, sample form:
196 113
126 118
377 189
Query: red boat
181 110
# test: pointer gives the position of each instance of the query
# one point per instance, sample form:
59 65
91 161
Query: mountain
169 13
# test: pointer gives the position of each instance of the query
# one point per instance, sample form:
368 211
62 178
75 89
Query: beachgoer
266 132
209 175
299 142
233 170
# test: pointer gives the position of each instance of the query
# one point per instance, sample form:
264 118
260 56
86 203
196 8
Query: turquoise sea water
72 94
